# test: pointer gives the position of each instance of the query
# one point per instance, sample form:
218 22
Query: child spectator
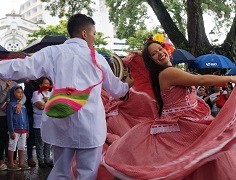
39 100
18 127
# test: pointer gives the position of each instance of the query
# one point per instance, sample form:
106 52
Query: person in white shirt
214 97
39 100
74 68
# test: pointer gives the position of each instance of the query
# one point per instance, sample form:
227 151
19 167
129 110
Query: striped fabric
66 101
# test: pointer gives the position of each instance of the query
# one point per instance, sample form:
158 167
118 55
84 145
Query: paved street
35 173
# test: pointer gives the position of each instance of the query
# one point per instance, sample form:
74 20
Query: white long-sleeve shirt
70 65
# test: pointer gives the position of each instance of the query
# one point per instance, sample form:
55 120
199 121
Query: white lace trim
188 105
164 128
143 93
112 113
177 109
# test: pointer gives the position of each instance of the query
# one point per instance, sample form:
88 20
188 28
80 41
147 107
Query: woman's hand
13 135
45 99
130 56
8 85
18 108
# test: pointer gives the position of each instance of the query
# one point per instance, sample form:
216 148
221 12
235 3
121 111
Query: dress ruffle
121 116
201 143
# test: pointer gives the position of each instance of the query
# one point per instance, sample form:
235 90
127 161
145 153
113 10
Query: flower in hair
165 43
168 46
159 38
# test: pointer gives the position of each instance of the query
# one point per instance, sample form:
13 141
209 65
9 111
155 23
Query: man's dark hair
77 23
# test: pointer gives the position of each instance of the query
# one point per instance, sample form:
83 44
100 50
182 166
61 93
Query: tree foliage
196 38
139 38
101 42
182 20
127 16
66 8
61 29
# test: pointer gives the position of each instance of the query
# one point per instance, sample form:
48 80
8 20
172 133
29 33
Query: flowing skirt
189 153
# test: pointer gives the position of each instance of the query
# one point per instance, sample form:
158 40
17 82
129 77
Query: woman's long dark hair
154 70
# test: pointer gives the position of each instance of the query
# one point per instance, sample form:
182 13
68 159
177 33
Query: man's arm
34 67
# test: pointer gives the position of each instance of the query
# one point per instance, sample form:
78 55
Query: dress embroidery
164 128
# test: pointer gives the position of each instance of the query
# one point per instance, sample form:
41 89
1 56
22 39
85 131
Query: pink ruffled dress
187 142
121 116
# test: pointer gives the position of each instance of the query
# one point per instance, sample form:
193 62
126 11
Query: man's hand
129 80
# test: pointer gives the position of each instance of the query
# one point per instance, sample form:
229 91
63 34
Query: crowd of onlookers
20 121
215 96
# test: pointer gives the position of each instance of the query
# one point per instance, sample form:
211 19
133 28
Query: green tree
182 20
128 16
137 41
196 39
101 42
65 8
61 29
184 24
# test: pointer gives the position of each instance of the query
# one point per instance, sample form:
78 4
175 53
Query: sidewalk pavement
34 173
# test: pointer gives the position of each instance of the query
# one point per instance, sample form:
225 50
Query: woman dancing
184 141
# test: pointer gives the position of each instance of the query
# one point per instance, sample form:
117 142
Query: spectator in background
201 92
3 129
18 127
4 137
30 87
39 100
228 88
215 97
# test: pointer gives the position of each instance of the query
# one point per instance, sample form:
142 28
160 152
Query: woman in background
39 100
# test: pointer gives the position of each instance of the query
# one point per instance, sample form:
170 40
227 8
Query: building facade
14 31
15 27
34 11
101 17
